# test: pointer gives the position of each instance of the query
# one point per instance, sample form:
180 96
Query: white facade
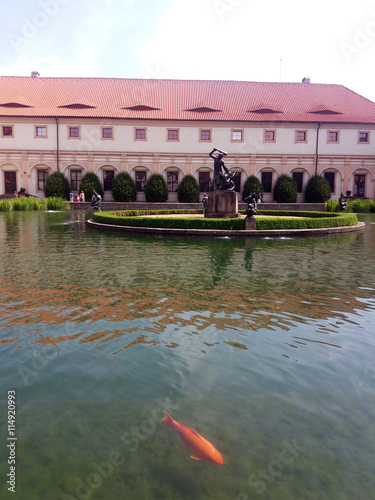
344 153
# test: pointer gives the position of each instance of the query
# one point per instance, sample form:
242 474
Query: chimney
306 80
34 74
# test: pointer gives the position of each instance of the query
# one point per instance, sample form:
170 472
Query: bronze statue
223 179
205 201
251 201
342 203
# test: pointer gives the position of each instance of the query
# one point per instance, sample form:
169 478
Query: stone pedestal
222 205
250 223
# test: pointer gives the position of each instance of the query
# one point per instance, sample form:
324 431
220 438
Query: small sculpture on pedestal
205 201
342 203
251 200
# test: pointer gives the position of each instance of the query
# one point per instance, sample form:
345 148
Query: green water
263 346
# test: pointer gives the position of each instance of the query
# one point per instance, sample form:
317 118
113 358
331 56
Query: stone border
223 232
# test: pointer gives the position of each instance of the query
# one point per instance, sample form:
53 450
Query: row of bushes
317 189
304 221
30 204
356 206
124 188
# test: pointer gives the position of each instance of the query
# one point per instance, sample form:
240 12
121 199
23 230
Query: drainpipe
317 148
57 144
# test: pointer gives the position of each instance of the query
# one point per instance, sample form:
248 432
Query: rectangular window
237 182
7 131
74 132
10 182
140 134
75 179
140 179
205 135
333 136
359 185
172 181
173 134
269 136
298 177
237 135
42 176
108 177
40 131
204 181
330 176
301 136
267 182
107 132
363 137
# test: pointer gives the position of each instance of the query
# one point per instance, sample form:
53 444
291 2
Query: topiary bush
285 189
124 188
317 190
156 189
252 185
188 190
57 185
90 182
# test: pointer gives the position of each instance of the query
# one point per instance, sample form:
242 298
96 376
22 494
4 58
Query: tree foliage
57 185
156 189
317 190
188 190
252 185
90 182
285 189
124 188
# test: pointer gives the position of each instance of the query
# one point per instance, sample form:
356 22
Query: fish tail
167 420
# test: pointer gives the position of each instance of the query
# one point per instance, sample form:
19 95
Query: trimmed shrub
305 220
317 190
252 185
90 182
285 189
57 185
188 190
124 188
156 189
172 222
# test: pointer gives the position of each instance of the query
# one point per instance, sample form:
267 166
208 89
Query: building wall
25 153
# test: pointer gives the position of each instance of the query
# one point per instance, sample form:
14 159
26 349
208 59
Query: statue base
250 223
222 205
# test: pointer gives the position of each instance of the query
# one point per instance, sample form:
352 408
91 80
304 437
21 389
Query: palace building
107 125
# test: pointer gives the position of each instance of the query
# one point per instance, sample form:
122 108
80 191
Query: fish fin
167 420
195 458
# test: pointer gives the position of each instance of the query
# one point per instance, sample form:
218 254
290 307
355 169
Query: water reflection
253 343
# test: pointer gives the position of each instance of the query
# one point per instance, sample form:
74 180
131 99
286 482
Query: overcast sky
331 41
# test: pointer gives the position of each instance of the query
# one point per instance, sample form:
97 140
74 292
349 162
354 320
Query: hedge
308 220
165 222
338 220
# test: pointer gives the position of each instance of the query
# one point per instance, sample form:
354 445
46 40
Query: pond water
263 346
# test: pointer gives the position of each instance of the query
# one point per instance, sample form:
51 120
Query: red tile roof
182 100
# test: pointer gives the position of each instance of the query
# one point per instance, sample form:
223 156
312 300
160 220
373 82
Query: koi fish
203 449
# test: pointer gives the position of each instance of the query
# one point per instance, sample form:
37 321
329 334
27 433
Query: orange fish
203 450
